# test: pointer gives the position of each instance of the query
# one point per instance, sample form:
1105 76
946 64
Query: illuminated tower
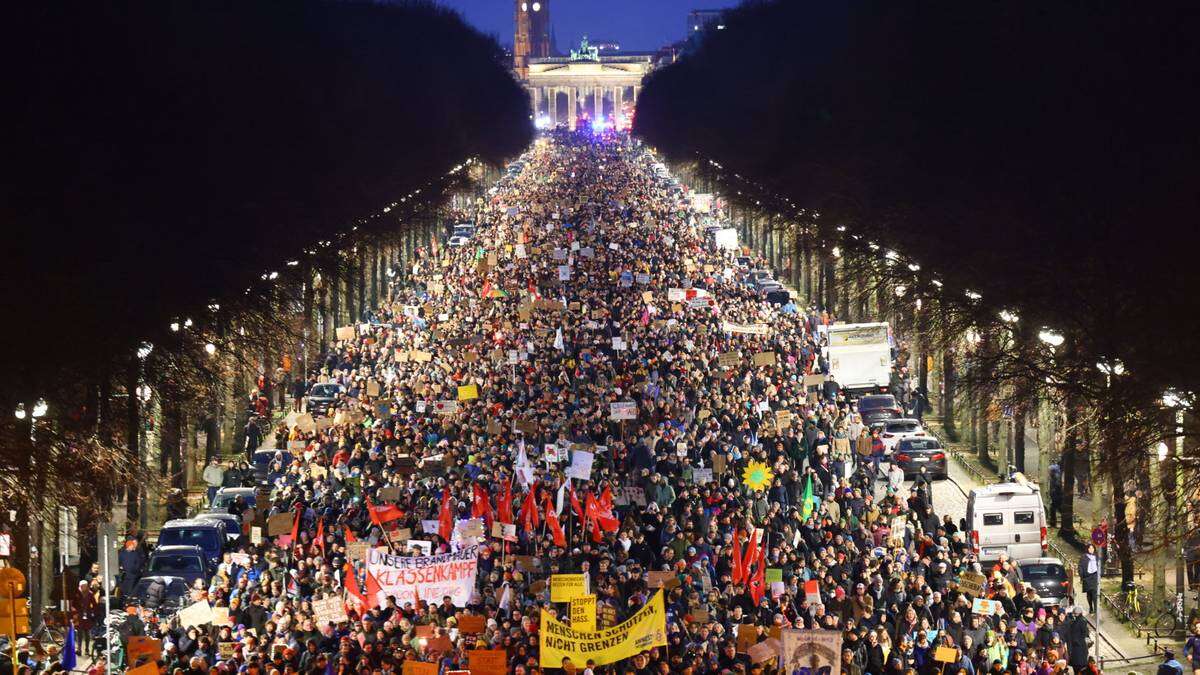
531 37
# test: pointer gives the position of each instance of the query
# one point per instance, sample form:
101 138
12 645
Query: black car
161 592
322 396
1049 579
878 407
913 453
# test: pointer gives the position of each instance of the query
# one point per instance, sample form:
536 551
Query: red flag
591 511
481 507
445 516
738 570
295 533
504 512
487 288
350 538
758 578
384 514
350 582
556 530
575 504
604 516
751 555
529 511
372 591
321 534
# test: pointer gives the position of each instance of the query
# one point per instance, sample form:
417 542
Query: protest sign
745 328
567 587
624 495
345 333
945 654
661 579
583 613
986 607
747 637
729 360
813 651
645 629
197 614
280 523
581 465
814 380
256 535
622 410
764 359
812 591
148 668
971 583
357 550
487 661
468 392
471 624
329 610
702 476
141 646
773 574
764 651
449 574
445 407
505 531
227 650
412 667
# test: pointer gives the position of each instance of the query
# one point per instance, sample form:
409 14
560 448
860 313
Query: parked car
1049 579
321 397
743 261
232 522
913 453
461 234
185 562
225 498
778 297
893 431
261 464
161 593
208 535
877 407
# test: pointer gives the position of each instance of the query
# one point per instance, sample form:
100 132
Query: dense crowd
558 307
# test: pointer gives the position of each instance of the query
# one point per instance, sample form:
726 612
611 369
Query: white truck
1007 518
860 355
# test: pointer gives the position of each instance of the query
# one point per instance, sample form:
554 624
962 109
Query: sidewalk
1118 640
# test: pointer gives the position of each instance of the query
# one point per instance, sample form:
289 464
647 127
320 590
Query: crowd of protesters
558 307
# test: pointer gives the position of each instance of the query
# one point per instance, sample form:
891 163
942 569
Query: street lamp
1009 317
1162 451
210 348
1051 338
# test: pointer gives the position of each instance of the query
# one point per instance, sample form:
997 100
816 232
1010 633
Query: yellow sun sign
757 476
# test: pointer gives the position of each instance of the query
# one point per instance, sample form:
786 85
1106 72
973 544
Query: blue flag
68 653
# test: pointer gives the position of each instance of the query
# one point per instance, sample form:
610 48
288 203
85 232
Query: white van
1007 518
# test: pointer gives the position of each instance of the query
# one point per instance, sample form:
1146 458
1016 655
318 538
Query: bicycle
53 629
1170 621
1132 601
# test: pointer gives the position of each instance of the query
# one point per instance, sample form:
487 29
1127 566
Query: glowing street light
1051 338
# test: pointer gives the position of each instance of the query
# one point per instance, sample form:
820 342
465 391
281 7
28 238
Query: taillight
975 541
1045 544
938 456
919 433
889 435
903 458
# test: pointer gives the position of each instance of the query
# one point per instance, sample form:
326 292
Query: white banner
433 577
622 410
745 328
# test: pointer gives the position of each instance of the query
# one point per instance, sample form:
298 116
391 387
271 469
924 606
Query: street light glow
210 348
1051 338
1162 451
1009 317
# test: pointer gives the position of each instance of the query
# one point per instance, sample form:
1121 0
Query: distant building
531 37
698 19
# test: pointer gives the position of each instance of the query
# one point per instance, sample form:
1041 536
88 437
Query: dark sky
637 24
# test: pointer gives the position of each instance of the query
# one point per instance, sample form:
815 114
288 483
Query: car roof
167 579
188 522
876 398
179 548
1005 489
900 420
236 491
1040 561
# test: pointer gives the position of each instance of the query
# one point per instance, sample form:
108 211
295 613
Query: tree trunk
1116 481
1070 441
132 437
949 375
1019 415
984 430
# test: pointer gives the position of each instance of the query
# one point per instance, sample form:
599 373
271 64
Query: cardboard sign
702 476
226 650
357 550
945 654
198 614
747 637
528 563
814 380
719 461
487 661
567 587
622 410
505 531
763 651
624 495
783 419
390 493
472 624
972 583
764 359
345 333
141 646
664 580
373 388
280 523
583 613
729 360
418 356
329 610
419 668
256 535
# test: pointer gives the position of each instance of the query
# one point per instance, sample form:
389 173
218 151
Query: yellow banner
567 587
642 631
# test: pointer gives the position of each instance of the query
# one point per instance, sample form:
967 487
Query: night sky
639 25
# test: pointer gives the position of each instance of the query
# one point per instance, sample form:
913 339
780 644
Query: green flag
806 502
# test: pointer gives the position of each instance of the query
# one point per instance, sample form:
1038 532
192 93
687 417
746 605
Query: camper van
1007 518
860 356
